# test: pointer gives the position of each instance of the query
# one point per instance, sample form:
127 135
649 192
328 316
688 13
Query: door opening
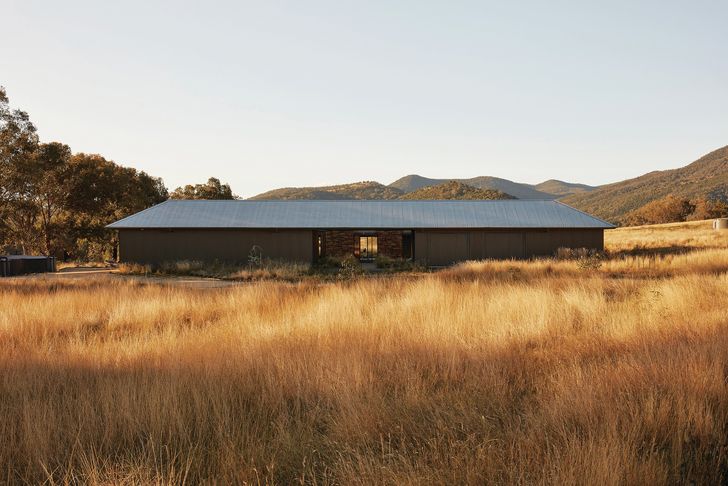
408 245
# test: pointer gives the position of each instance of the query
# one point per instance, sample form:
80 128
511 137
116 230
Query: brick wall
343 243
390 243
340 243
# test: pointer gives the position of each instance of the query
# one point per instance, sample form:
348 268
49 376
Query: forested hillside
356 190
521 191
699 184
455 190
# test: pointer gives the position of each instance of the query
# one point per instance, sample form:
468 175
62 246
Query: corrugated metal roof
360 215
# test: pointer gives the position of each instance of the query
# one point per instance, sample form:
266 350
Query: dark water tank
12 265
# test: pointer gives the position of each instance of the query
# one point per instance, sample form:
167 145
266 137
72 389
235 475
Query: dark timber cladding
432 232
163 245
444 247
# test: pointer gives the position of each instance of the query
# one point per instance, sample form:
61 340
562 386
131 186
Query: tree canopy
212 189
55 202
672 209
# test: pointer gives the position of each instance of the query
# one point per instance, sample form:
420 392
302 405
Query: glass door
367 248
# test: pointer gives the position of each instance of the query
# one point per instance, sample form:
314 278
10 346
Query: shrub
571 253
586 258
255 257
397 264
590 262
350 267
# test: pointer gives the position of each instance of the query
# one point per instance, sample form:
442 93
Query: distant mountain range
521 191
551 189
705 178
375 190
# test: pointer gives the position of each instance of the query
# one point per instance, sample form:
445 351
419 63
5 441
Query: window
367 248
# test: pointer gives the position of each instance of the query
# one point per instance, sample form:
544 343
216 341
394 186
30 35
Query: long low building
434 233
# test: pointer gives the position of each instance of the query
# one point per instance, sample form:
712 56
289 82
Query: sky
271 94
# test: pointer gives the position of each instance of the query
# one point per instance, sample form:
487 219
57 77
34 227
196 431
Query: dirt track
108 272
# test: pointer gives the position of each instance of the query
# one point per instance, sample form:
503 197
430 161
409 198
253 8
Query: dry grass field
665 238
546 372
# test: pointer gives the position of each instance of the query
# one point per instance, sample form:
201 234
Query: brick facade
339 243
344 243
390 243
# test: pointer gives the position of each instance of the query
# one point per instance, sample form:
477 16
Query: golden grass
640 266
267 271
489 372
665 237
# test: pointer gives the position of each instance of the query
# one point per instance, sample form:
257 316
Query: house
431 232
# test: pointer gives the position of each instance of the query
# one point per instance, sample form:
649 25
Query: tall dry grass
269 270
665 238
495 372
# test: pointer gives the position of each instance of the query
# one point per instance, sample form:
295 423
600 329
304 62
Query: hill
561 188
521 191
455 190
356 190
551 189
705 178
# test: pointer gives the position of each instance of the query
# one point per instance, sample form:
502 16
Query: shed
431 232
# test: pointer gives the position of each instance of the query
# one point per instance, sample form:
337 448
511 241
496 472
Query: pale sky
270 94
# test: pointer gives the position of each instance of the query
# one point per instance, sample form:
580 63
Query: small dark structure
12 265
434 233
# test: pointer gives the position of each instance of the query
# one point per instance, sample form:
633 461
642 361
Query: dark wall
443 247
432 247
156 246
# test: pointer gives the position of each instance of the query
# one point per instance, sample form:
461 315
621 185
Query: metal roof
360 215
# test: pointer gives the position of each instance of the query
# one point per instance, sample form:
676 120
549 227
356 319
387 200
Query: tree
100 192
669 209
49 190
18 143
54 202
709 209
213 189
